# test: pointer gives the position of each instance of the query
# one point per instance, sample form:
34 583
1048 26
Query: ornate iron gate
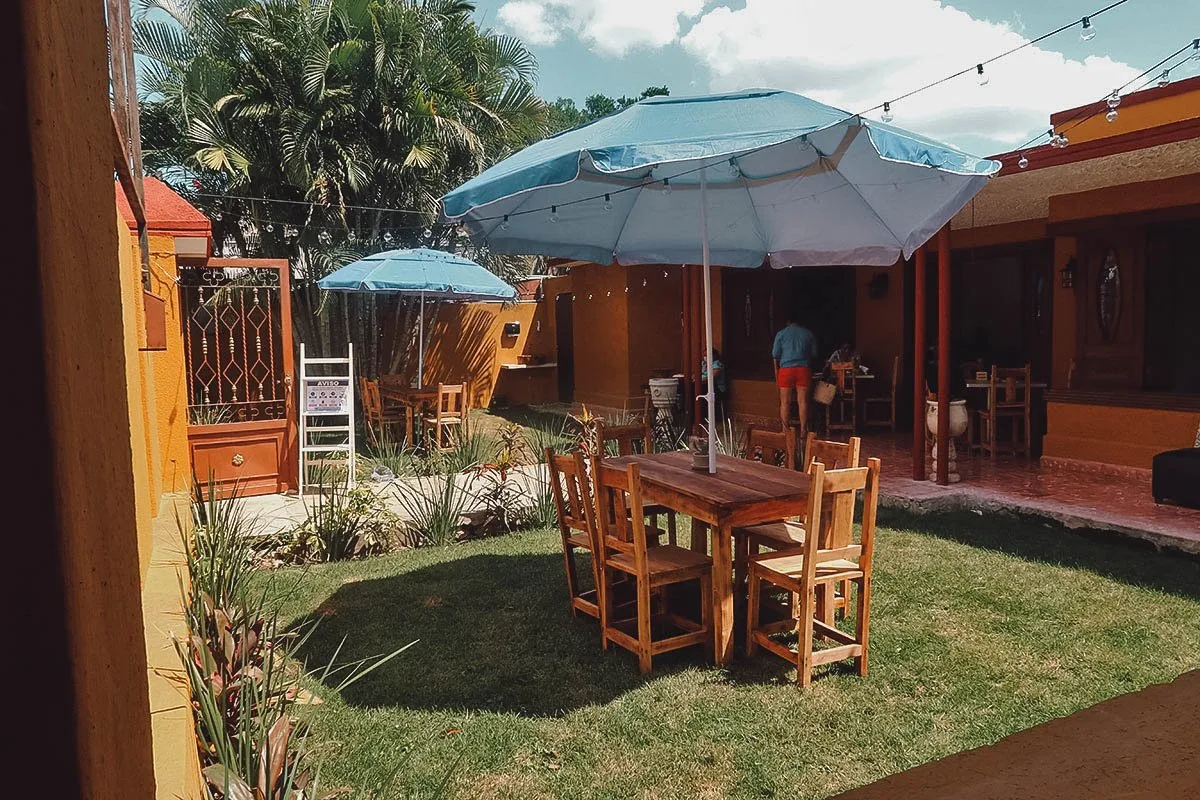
237 338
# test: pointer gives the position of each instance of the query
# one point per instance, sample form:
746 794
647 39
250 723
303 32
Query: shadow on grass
494 633
1033 538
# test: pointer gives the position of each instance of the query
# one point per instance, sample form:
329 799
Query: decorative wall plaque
1108 296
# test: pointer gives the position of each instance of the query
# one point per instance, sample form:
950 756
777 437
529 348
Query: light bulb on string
887 115
1113 101
388 238
643 283
607 202
1088 32
1023 161
554 213
427 233
350 236
983 76
1164 78
1053 137
1063 141
666 187
505 224
324 237
1195 56
270 228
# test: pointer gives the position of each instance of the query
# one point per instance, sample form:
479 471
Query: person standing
720 386
794 350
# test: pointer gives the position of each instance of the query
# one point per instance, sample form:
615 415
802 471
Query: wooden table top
407 393
738 485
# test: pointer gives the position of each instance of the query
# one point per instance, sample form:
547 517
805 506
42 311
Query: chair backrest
451 399
1009 387
620 520
839 491
833 455
844 375
572 494
368 390
777 448
626 437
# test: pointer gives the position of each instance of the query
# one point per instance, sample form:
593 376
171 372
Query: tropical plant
341 523
434 506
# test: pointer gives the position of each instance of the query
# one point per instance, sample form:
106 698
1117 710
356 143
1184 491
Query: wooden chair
821 561
449 413
625 552
777 448
789 534
1009 397
576 524
377 416
845 377
629 440
885 403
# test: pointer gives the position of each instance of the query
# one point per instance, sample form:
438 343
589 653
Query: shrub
434 506
220 550
342 523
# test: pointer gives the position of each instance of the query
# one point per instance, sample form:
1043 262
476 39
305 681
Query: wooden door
237 335
565 344
1109 291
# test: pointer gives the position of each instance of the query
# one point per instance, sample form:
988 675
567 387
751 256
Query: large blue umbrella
745 179
420 272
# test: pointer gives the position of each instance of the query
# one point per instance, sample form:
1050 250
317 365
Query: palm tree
351 117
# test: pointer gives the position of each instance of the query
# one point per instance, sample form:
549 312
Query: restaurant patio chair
629 440
572 492
449 414
845 377
377 415
886 403
788 534
777 448
821 561
625 552
1009 397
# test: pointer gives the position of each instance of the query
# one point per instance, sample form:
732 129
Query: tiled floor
1075 497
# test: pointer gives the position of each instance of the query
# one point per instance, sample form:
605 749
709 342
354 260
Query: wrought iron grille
233 341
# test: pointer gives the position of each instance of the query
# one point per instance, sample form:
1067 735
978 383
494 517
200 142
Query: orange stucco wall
1065 320
169 372
1115 434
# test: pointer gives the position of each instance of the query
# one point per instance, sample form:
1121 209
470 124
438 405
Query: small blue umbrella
744 179
424 273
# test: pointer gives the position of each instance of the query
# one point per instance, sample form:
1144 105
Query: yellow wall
1115 434
1161 110
600 317
169 372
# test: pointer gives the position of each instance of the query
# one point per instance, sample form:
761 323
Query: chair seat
652 509
664 561
445 420
792 566
779 535
580 540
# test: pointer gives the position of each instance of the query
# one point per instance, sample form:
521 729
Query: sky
855 54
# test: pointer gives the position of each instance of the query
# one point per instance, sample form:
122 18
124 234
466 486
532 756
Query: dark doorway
565 342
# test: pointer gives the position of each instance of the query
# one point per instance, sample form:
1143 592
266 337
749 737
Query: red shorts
793 377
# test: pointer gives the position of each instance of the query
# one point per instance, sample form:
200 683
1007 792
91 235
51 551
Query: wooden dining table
412 399
741 493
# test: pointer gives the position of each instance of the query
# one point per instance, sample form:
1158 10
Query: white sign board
328 396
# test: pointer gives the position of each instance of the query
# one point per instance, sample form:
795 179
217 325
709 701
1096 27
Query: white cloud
609 27
528 19
856 55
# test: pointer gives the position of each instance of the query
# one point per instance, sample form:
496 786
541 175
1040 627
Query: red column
686 351
918 442
943 439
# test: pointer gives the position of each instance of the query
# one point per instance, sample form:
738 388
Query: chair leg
752 612
671 528
804 643
604 598
572 578
862 623
643 620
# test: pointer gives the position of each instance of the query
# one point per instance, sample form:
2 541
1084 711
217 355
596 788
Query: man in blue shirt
794 350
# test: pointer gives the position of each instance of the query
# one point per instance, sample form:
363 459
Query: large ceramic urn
958 426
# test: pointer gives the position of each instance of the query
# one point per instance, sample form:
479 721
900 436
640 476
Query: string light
505 224
1164 78
666 187
1195 50
887 115
608 202
1023 162
388 238
554 214
1113 101
983 78
1089 30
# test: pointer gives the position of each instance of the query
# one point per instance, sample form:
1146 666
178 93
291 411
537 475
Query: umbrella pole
421 345
710 396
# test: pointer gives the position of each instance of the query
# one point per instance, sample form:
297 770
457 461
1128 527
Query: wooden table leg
722 590
699 536
408 425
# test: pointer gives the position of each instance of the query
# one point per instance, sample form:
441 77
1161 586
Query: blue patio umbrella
421 272
745 179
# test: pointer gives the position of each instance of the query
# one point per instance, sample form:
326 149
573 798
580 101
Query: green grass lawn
981 626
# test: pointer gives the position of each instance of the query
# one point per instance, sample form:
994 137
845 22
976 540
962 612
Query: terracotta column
943 391
918 441
685 356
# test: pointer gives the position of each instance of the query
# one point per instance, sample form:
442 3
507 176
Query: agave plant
434 506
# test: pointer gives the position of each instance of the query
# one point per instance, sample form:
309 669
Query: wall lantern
1067 274
512 329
